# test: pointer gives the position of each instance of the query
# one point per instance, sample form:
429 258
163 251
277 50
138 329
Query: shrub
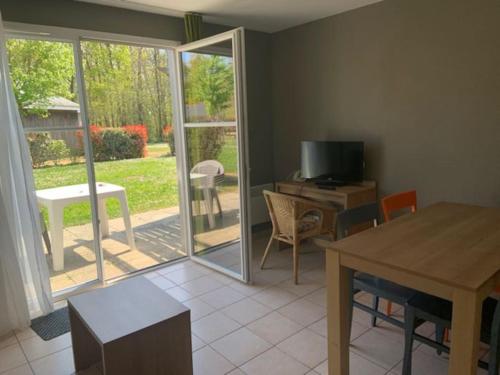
58 151
139 134
127 142
168 136
44 149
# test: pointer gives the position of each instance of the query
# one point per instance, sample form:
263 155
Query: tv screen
340 161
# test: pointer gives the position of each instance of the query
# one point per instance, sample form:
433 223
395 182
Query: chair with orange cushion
396 203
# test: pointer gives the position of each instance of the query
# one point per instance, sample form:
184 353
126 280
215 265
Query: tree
209 83
40 70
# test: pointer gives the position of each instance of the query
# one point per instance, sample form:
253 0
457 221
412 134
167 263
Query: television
334 161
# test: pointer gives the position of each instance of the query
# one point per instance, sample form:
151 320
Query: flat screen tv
338 161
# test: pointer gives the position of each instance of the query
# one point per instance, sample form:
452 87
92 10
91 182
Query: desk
344 197
56 199
448 250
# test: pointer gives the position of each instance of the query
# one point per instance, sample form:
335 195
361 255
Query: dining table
449 250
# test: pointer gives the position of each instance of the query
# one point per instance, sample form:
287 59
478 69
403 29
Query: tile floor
272 327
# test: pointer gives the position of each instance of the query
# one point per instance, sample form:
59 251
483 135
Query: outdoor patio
158 239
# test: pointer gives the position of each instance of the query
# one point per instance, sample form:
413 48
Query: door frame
75 37
237 38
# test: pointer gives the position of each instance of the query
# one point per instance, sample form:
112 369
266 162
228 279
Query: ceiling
262 15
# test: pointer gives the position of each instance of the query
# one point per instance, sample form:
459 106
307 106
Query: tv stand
347 196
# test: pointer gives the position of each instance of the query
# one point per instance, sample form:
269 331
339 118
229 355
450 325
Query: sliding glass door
213 132
138 151
130 115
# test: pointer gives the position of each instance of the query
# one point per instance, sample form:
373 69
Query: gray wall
80 15
417 80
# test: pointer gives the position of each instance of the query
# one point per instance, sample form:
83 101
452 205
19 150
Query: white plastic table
201 181
56 199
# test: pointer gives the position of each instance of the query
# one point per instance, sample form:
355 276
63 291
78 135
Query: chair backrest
211 168
208 167
367 213
399 201
281 209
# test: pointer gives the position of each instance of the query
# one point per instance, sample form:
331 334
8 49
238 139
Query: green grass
150 183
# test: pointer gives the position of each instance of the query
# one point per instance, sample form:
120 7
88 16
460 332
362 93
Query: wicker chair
295 219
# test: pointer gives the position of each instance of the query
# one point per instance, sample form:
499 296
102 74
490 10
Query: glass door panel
44 81
130 112
213 130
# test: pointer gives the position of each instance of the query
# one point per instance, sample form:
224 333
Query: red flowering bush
127 142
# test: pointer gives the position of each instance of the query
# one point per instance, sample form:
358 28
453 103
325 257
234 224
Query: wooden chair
295 219
394 203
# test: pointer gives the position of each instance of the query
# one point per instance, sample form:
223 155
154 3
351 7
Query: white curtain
24 278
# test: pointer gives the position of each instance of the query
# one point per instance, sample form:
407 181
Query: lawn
150 183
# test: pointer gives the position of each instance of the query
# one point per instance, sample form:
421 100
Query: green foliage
116 144
40 70
127 85
209 80
44 149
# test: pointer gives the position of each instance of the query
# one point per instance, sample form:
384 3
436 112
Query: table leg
207 196
466 328
56 214
126 220
339 310
103 217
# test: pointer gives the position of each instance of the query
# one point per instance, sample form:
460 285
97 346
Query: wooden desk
448 250
348 196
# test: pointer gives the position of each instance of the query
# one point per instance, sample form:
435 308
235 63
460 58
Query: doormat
52 325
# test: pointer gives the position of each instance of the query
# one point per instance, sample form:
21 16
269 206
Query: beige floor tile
184 275
246 311
357 366
35 347
198 308
275 362
274 327
318 297
196 343
214 326
319 327
21 370
274 297
222 297
317 275
236 371
60 363
179 294
304 287
423 364
240 346
202 285
246 289
11 357
207 361
303 312
306 346
162 282
379 349
25 334
8 340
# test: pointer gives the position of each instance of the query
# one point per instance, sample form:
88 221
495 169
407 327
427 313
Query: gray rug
52 325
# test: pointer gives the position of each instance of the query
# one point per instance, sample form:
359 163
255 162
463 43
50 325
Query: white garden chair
214 172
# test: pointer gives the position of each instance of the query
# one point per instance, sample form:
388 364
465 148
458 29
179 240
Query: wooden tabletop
124 308
454 244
